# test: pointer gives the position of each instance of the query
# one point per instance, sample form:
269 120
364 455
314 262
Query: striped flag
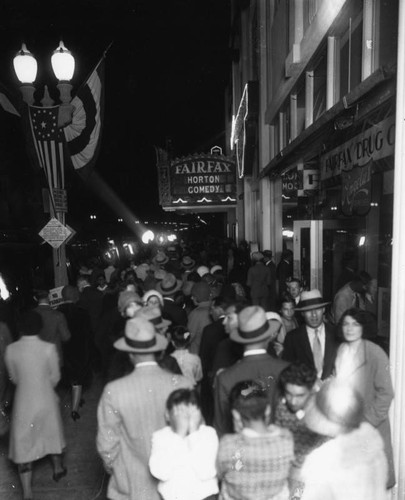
8 102
83 135
48 141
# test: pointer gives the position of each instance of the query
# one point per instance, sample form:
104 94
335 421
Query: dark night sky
166 75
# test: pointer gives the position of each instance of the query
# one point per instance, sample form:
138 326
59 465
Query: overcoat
36 423
370 376
131 409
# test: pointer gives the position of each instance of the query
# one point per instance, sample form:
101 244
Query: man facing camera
313 343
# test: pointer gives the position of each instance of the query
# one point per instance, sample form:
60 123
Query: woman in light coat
366 367
36 423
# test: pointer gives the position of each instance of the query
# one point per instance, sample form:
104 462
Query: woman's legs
59 470
76 398
25 473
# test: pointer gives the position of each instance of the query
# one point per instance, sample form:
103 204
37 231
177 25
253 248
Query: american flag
48 141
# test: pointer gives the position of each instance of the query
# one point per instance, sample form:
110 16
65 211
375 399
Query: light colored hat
169 285
253 326
336 408
202 270
160 259
187 262
152 293
160 274
126 298
141 271
140 337
311 299
215 268
257 256
153 315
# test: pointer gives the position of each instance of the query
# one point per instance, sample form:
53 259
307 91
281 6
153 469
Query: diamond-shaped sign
55 233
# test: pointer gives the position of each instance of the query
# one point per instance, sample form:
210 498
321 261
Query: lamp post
63 65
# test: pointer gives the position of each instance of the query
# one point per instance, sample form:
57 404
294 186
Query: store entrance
321 250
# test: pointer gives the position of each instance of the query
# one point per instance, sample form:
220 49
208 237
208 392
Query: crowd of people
223 377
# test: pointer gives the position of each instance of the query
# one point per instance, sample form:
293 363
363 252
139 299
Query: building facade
316 157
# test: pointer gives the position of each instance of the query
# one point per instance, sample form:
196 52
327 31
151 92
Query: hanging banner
374 143
356 190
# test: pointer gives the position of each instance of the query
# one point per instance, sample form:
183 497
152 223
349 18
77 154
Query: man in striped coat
131 408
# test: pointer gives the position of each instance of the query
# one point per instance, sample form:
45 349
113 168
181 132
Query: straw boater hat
169 285
153 315
140 337
187 263
311 300
160 259
253 326
336 408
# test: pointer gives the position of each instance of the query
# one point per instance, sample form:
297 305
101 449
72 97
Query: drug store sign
374 143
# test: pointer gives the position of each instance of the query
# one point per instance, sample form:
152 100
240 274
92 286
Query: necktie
317 352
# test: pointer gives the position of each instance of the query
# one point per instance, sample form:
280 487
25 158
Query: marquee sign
199 180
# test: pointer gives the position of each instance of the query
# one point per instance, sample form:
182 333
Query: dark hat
187 262
169 285
160 259
311 300
335 409
253 326
140 337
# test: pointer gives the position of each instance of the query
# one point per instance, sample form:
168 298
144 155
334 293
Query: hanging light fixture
63 63
25 66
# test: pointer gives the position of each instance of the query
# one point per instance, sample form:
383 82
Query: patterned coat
255 466
36 423
131 409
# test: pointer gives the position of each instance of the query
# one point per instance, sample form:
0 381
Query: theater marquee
197 181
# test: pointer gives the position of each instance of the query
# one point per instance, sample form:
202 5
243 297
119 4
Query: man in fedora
254 332
314 342
171 311
131 409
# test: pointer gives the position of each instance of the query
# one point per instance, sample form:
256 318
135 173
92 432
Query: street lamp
47 138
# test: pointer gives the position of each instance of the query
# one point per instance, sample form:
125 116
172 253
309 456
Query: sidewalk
85 480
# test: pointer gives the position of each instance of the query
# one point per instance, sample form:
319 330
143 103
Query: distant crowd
224 377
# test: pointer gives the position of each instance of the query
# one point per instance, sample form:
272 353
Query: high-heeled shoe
57 476
75 416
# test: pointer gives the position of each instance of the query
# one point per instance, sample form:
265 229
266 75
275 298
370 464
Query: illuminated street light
148 236
172 237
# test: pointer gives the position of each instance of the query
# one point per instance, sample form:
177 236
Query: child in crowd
190 364
183 453
255 462
287 312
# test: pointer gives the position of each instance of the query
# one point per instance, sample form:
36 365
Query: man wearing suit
254 332
212 335
313 343
131 409
171 311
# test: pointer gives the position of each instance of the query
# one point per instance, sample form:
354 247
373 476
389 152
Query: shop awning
307 144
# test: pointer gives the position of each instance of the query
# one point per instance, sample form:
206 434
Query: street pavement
86 479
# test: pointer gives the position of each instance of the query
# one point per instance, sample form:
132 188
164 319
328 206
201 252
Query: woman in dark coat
76 350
